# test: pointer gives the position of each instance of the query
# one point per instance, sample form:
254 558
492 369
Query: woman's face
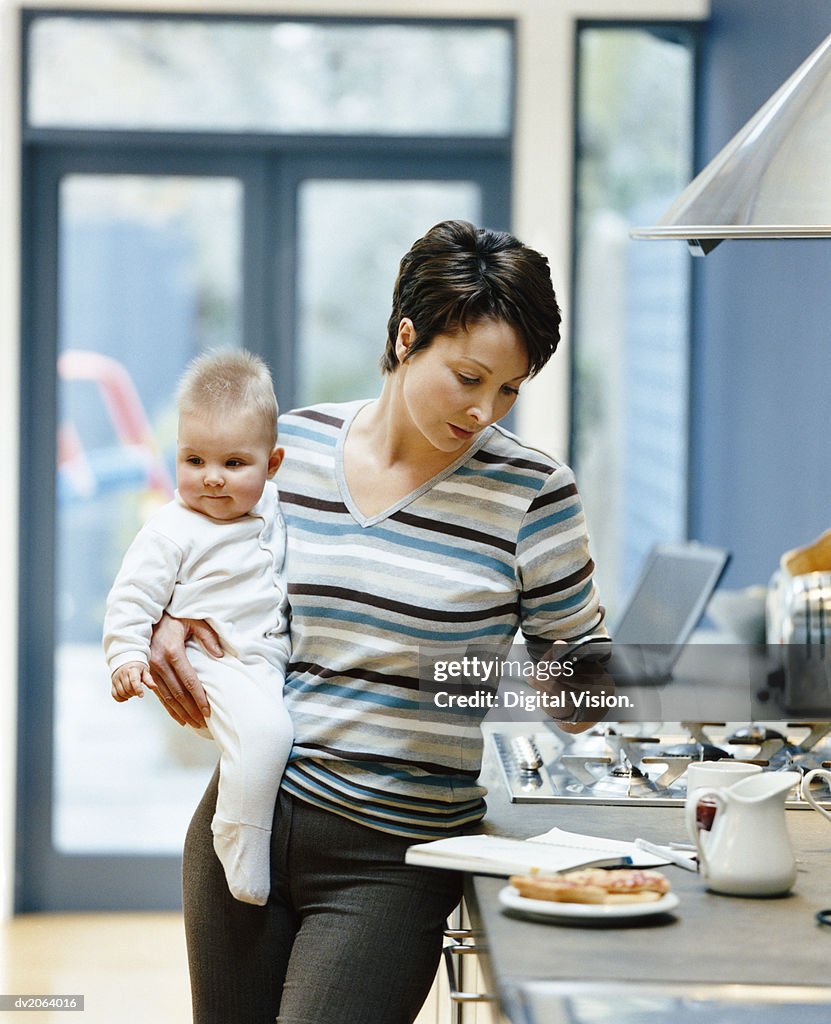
462 382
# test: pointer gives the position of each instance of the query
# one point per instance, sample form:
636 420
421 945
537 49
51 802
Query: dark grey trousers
350 935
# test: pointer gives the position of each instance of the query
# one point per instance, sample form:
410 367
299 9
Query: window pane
149 275
631 316
346 278
218 75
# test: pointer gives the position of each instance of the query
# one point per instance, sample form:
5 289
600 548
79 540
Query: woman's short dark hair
458 275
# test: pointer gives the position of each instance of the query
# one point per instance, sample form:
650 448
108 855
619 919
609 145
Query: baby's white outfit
229 574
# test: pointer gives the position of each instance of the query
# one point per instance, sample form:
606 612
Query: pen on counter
681 859
603 862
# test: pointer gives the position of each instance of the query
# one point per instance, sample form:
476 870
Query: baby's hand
127 680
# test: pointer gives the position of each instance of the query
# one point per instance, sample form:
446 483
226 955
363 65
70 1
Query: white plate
595 912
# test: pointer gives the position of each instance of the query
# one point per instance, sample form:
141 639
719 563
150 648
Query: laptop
668 600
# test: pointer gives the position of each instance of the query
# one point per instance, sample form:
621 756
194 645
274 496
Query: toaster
798 618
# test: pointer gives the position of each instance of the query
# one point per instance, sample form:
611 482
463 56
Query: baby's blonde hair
227 380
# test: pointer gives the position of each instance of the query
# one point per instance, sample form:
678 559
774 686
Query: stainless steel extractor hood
773 179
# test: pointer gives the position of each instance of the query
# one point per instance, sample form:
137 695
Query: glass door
345 277
149 274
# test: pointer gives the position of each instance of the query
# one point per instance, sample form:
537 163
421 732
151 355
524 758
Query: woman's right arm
175 683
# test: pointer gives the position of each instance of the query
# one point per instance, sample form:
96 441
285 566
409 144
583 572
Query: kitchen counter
709 938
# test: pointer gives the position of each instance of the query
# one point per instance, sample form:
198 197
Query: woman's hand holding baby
173 679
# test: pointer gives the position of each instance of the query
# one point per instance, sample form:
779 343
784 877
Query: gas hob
622 763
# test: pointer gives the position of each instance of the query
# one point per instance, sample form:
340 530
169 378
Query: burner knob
526 754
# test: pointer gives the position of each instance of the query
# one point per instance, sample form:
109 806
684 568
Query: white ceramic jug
748 850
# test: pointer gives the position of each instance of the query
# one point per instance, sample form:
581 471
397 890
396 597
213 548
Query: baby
216 553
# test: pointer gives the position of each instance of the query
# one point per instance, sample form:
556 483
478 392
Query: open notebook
556 850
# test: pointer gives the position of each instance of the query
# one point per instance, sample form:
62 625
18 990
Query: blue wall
760 480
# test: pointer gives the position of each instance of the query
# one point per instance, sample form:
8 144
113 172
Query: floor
130 968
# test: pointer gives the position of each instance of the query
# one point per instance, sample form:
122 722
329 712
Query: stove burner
757 734
698 751
624 779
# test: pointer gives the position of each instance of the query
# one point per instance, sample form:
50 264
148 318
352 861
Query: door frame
271 170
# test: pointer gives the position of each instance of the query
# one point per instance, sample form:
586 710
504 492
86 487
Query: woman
413 520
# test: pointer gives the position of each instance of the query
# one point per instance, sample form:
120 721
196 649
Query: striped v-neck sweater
493 544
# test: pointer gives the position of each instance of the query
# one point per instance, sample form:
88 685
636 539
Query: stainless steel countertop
709 938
